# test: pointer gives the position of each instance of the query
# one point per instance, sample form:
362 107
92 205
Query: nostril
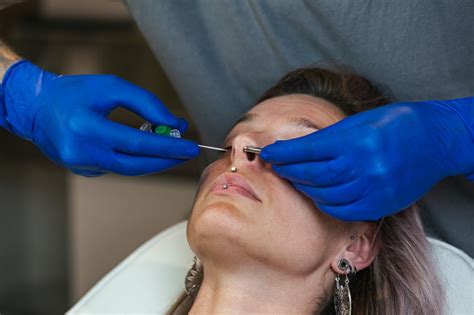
250 156
251 152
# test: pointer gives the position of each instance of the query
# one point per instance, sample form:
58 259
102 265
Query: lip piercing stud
225 186
233 169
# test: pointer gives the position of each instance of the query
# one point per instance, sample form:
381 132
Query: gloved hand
66 117
378 162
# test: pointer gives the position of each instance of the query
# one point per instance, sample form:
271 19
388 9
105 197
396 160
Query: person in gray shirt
225 53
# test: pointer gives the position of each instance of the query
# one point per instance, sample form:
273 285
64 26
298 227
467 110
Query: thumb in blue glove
378 162
66 117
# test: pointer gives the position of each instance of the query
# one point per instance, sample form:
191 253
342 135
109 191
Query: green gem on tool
162 130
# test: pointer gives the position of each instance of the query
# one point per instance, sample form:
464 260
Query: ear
360 249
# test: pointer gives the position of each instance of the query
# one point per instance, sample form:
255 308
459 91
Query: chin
215 229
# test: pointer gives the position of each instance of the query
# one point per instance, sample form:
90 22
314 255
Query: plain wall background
110 217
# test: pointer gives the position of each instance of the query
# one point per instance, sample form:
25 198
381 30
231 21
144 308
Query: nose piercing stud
233 169
225 186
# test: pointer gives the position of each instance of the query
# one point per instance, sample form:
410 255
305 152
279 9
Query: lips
235 183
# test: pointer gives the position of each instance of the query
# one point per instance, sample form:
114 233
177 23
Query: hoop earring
342 292
193 279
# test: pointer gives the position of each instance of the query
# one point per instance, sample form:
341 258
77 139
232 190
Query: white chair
149 280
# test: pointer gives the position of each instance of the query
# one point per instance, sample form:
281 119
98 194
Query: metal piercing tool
211 148
167 131
254 150
247 149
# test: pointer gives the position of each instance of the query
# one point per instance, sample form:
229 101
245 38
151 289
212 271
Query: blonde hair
402 279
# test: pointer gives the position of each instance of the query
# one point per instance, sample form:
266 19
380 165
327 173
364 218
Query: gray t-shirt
221 55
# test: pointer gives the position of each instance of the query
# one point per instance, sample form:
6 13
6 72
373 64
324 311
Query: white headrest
150 279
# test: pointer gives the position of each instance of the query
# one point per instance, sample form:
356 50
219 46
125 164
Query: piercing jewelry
225 186
343 264
342 292
193 278
233 169
353 237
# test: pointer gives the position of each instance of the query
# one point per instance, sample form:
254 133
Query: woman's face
260 217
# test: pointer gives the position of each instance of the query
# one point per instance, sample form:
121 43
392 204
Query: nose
244 159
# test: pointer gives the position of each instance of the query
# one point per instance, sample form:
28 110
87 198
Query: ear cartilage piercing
254 150
233 169
225 186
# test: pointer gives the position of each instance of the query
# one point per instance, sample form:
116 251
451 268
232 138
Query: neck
262 291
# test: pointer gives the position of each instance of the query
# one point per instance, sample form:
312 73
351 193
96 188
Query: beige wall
111 216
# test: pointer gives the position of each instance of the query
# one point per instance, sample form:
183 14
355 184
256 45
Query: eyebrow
245 118
294 120
302 122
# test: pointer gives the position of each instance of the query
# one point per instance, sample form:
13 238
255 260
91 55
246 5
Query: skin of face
281 230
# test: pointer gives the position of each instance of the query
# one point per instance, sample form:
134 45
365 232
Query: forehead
322 112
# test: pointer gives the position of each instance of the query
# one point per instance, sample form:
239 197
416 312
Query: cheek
303 233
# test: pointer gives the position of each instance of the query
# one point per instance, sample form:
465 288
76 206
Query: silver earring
233 169
342 292
193 279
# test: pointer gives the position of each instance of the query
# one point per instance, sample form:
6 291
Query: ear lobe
336 269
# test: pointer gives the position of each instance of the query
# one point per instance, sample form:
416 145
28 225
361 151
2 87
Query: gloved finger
121 93
317 146
345 194
87 173
86 160
133 141
319 174
137 165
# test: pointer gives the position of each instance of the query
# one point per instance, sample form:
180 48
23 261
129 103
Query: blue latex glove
378 162
66 117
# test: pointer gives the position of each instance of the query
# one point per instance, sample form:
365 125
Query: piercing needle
211 148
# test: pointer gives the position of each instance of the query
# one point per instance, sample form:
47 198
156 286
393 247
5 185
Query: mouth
235 184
